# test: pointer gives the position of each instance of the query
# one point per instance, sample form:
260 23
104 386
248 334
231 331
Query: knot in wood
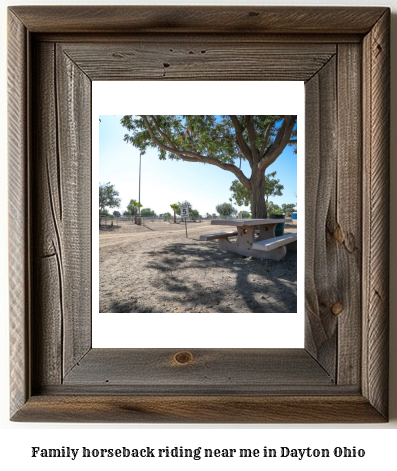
337 308
338 235
183 358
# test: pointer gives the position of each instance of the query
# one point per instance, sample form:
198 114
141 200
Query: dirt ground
155 268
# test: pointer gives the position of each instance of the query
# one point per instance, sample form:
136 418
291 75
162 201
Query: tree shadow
240 283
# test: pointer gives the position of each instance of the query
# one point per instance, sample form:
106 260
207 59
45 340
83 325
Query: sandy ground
155 268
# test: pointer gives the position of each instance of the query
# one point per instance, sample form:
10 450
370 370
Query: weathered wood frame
343 56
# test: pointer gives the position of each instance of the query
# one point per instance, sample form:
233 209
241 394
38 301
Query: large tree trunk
258 204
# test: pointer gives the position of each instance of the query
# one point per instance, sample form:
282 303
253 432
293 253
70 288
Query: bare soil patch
155 268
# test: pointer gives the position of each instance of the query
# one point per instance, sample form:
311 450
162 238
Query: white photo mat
221 330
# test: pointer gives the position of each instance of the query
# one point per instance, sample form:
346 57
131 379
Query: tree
175 207
288 209
117 214
223 141
194 214
245 214
242 196
185 203
132 207
167 216
147 212
226 210
107 198
274 208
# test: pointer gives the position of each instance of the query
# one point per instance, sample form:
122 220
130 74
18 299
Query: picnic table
255 238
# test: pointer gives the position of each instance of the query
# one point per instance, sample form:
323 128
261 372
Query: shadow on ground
198 277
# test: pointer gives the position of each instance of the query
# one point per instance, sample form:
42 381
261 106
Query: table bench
219 235
255 237
275 242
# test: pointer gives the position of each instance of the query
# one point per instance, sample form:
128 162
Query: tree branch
195 156
159 130
266 138
249 121
240 139
279 144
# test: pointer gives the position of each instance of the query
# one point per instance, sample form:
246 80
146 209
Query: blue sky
166 182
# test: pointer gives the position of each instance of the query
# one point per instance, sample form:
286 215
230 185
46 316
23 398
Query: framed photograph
342 56
152 273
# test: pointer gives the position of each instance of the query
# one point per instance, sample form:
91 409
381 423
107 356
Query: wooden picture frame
342 54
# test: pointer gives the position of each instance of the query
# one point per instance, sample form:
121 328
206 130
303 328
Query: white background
378 440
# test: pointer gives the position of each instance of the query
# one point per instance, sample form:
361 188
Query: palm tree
176 208
133 207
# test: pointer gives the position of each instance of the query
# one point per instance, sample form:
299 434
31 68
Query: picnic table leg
245 239
266 232
243 244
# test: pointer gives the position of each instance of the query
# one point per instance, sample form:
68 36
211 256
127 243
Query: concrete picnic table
255 237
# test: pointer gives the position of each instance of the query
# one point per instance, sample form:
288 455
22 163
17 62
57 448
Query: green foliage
183 133
185 203
117 214
167 216
147 212
245 214
274 208
209 135
226 210
105 214
194 214
222 140
108 196
242 196
288 209
132 205
175 207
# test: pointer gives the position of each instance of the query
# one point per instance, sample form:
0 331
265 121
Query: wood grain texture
334 217
321 277
198 19
63 242
18 212
347 225
347 206
206 60
376 92
73 89
199 409
240 38
231 370
48 281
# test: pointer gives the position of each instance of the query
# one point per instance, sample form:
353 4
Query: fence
117 221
